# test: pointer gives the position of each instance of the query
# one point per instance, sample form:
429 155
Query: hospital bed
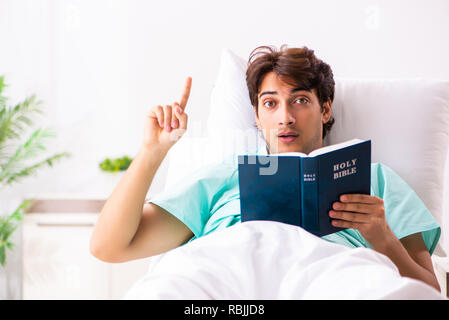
407 121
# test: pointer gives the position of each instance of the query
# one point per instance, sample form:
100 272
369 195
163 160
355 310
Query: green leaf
2 255
21 209
30 149
6 229
3 226
2 83
12 119
14 176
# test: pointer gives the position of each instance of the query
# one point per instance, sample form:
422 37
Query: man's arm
367 214
127 229
411 257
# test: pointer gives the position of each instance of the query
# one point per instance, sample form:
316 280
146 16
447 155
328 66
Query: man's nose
286 118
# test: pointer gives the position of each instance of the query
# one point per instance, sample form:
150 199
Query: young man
292 93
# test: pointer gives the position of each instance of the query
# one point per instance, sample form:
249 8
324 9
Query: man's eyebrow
267 92
300 89
291 91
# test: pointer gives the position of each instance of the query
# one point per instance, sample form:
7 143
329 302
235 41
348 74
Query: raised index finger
185 93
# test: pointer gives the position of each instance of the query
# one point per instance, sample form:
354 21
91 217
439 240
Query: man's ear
327 111
257 119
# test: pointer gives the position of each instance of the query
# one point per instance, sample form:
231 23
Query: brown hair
298 67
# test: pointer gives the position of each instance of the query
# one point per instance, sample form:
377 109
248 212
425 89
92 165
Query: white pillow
232 118
230 104
230 126
406 119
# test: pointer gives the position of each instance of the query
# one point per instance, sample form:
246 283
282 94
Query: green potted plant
115 164
18 161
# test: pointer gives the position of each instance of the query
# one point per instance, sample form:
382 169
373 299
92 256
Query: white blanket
270 260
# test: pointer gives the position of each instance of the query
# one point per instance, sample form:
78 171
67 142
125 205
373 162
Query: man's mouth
288 137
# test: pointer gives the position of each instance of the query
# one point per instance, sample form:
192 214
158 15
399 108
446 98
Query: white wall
99 65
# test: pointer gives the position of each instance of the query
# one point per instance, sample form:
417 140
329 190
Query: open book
299 189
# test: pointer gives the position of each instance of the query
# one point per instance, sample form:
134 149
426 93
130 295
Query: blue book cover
300 189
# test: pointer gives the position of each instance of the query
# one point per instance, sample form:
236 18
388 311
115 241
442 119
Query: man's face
283 108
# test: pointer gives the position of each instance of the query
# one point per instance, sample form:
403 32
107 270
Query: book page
334 147
320 150
296 154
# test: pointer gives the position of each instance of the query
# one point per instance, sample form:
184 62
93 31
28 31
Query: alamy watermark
222 145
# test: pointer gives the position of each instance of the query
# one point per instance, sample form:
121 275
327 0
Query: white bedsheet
269 260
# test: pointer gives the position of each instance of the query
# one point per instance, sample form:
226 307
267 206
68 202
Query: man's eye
268 104
302 100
